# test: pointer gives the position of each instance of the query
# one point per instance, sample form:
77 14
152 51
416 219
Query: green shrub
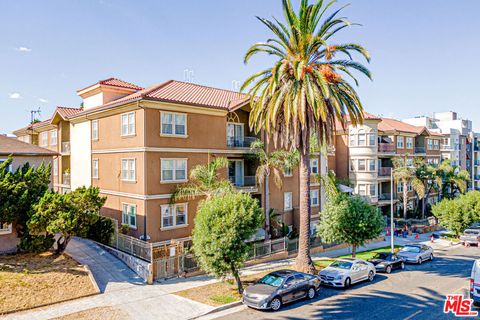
101 230
37 244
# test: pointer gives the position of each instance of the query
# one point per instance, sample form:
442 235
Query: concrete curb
92 278
223 308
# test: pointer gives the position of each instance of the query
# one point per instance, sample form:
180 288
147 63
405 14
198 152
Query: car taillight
471 285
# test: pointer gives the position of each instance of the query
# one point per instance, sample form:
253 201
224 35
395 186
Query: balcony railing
66 178
386 147
384 172
247 181
476 162
420 150
66 147
384 196
240 142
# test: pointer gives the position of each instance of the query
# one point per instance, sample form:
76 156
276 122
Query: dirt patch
32 280
101 313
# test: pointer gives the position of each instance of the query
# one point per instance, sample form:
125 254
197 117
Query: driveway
121 289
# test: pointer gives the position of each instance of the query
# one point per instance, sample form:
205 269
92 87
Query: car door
363 270
425 253
396 262
356 272
288 289
301 286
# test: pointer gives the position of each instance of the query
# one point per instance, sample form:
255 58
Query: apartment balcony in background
384 196
240 142
386 147
384 172
66 179
476 162
66 147
420 150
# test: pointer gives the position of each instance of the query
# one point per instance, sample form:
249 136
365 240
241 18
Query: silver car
470 236
280 287
345 272
416 253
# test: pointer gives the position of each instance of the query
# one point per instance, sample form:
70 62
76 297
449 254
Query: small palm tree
305 90
406 174
205 181
431 179
454 179
272 164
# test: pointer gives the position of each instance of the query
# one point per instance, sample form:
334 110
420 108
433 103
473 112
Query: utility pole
33 113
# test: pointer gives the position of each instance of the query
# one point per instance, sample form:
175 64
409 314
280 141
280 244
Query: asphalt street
418 292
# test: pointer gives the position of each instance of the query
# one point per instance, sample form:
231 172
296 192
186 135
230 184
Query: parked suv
470 236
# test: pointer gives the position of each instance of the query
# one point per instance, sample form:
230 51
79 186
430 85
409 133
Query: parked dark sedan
280 287
387 261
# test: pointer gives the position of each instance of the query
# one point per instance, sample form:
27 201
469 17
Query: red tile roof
388 124
16 147
114 82
67 112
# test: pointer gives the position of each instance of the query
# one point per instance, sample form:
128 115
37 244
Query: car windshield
273 280
382 255
341 264
411 249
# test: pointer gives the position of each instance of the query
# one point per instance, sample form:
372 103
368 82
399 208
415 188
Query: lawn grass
32 280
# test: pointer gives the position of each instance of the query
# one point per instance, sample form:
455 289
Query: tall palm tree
305 90
406 175
431 179
454 179
272 164
205 181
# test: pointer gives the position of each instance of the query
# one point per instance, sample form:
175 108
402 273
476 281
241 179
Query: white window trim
134 169
55 167
174 169
407 144
291 201
316 166
288 175
401 145
134 124
136 213
6 230
53 142
43 142
311 198
96 138
173 128
174 226
98 169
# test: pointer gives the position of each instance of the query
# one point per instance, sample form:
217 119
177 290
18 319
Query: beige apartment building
137 144
364 155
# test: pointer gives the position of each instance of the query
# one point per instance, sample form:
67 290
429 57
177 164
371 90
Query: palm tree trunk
405 199
267 209
304 261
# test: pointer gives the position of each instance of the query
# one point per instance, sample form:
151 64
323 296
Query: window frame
314 166
128 169
312 192
43 139
95 176
364 165
53 142
409 142
291 201
173 134
174 170
94 129
129 206
402 144
173 210
128 134
372 136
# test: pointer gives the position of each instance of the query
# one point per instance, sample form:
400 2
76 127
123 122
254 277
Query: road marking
413 315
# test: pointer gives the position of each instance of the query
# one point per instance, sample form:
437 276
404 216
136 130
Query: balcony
384 196
386 147
66 179
384 172
66 147
240 142
420 150
245 181
476 162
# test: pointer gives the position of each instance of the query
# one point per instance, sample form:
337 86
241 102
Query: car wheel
371 276
420 260
402 265
311 293
431 256
276 304
389 269
347 283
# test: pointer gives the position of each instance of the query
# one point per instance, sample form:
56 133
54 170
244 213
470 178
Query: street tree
454 179
222 226
405 173
349 219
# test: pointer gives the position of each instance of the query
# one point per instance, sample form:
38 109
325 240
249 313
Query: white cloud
23 49
15 95
43 100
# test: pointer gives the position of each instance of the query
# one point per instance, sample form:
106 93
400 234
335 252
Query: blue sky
423 52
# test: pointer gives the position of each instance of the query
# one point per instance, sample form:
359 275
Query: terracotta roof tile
67 112
114 82
16 147
388 124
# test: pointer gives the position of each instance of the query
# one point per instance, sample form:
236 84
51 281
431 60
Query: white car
475 283
344 272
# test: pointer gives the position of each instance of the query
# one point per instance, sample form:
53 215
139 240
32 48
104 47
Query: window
361 137
314 166
436 144
129 215
55 167
362 189
53 137
429 144
10 168
174 124
361 165
352 165
174 215
409 142
409 162
287 171
314 201
399 187
95 168
372 165
44 138
128 124
373 190
353 140
5 228
400 142
95 129
128 170
409 187
236 135
287 201
372 139
174 170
